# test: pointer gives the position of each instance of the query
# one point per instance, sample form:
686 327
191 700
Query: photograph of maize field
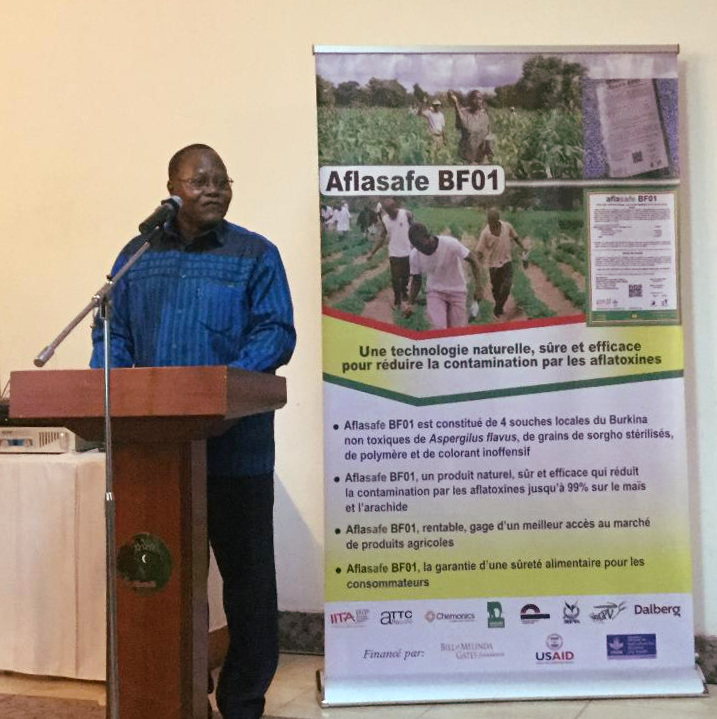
548 280
533 127
529 145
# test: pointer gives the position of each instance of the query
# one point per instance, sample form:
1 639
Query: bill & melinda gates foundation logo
471 650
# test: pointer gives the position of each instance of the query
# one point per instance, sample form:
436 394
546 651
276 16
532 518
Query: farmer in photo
476 143
396 222
494 249
342 218
440 258
368 222
436 121
327 213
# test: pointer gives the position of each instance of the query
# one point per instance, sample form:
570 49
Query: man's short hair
178 156
493 212
418 230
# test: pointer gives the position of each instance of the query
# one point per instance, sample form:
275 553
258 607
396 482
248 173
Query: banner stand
504 424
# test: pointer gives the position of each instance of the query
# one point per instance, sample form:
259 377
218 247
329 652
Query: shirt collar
213 237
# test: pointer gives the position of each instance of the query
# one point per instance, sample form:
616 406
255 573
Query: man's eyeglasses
202 183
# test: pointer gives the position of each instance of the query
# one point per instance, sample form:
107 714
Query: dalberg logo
674 610
357 618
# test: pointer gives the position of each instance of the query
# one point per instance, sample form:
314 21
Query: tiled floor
293 695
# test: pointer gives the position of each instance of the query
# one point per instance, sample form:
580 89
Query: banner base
419 689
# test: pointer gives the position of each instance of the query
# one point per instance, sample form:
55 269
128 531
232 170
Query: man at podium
209 292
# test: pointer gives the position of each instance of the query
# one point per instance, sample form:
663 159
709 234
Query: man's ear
170 187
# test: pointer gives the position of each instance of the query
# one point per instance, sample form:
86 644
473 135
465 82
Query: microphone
166 211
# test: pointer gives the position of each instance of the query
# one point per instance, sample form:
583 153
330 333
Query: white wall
96 96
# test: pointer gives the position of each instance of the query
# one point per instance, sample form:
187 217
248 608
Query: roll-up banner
504 425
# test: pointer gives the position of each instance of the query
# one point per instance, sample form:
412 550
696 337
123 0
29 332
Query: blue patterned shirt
222 300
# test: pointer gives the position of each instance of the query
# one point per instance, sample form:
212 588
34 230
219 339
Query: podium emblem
145 563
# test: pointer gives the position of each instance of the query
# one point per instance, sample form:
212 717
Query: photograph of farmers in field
524 112
438 263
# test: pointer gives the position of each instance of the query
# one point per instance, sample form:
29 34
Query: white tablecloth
52 566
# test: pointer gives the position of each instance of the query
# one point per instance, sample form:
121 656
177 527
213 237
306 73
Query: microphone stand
101 301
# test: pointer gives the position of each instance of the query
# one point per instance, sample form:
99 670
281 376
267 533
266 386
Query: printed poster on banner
504 426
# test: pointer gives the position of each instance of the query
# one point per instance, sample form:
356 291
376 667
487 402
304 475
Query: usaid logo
554 642
566 657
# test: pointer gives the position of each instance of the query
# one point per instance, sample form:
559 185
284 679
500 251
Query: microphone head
164 213
173 200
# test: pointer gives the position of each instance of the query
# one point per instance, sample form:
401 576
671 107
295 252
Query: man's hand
406 309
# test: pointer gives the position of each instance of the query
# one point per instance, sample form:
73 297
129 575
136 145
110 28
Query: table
52 565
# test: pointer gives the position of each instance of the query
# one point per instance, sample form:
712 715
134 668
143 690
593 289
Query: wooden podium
160 419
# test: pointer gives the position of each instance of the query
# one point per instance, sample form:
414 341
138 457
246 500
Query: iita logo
565 657
349 619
